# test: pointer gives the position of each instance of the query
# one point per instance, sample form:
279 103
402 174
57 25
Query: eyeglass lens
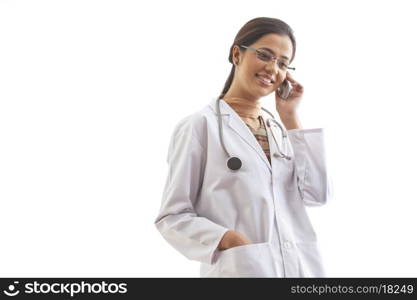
267 57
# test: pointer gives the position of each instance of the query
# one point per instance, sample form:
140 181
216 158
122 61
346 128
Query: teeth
264 79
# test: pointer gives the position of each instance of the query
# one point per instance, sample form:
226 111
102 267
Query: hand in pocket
233 239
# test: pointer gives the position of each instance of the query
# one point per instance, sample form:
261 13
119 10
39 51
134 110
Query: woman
228 203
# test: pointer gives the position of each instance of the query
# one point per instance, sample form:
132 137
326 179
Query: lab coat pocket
253 260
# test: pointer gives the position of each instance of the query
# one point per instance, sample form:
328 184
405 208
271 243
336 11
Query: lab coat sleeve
314 183
196 237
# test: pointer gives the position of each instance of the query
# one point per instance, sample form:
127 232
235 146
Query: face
250 68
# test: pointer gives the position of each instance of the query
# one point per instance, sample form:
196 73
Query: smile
263 81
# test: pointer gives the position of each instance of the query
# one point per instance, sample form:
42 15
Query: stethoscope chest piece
234 163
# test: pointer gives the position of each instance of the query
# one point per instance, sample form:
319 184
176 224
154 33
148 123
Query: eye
264 56
282 65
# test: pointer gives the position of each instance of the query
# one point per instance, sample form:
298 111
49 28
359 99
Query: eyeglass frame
273 58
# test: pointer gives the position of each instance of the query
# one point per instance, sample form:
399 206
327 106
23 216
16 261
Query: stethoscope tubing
234 163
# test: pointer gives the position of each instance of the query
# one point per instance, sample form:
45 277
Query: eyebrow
272 51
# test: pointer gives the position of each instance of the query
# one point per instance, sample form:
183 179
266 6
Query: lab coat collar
233 120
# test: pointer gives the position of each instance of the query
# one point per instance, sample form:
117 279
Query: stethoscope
234 163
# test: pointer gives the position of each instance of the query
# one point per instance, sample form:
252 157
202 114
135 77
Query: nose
272 66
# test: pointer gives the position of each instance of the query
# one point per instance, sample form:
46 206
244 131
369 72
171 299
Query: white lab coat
203 198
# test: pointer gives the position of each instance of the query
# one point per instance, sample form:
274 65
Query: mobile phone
284 89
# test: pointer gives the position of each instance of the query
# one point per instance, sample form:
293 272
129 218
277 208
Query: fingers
290 78
294 83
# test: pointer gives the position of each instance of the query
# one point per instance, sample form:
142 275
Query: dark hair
251 32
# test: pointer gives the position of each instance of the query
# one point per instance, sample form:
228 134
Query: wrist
291 121
287 115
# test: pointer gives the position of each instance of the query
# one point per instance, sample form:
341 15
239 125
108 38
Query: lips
264 79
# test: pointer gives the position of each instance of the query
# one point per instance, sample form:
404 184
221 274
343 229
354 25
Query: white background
91 90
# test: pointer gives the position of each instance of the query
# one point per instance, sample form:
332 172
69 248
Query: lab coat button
287 244
276 155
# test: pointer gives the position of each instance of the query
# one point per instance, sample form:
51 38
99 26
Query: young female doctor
238 183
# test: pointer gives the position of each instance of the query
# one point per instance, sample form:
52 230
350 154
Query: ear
236 54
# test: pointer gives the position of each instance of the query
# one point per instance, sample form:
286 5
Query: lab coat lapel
233 121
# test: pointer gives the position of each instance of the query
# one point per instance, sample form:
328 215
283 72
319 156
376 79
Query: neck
244 107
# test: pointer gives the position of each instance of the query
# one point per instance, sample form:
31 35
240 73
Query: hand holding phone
288 96
284 89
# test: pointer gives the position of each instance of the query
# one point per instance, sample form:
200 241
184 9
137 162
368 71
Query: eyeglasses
265 56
